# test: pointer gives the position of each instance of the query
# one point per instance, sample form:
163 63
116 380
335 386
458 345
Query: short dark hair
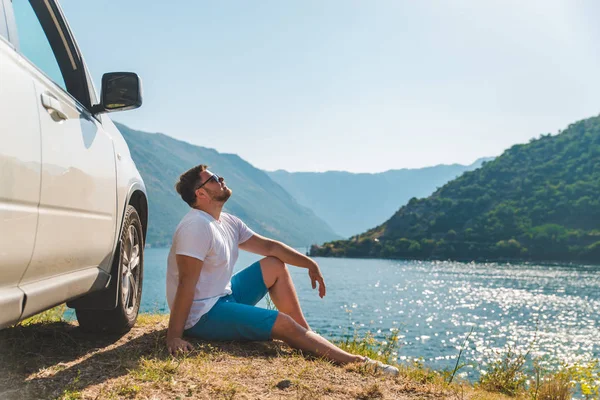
188 182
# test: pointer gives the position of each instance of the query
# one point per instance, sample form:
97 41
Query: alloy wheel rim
130 267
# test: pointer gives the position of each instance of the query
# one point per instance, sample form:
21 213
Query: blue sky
361 86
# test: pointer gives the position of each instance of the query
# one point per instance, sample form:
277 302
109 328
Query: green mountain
340 197
537 201
264 205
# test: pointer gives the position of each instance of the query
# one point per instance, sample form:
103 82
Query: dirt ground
58 360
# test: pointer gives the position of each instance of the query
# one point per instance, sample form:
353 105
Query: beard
220 197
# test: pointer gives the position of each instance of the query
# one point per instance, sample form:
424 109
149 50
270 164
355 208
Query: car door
20 175
77 210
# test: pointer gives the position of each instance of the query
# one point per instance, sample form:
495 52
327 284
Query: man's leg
288 330
281 289
234 321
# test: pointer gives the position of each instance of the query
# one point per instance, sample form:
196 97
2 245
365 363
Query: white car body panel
53 291
77 209
20 176
129 179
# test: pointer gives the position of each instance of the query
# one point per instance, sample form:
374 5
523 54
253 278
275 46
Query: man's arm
189 271
268 247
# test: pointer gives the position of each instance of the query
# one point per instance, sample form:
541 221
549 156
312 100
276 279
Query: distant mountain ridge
353 202
260 202
538 201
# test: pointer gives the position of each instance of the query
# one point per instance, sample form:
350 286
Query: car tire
129 262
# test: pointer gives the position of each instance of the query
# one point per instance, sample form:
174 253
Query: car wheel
130 260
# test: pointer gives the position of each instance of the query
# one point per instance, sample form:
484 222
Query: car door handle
54 107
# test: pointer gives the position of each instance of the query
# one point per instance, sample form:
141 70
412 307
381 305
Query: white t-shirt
215 242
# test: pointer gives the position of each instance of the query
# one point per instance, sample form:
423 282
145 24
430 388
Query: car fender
130 190
107 297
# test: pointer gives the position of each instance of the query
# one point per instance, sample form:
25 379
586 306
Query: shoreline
511 261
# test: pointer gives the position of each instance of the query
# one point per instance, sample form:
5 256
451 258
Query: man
207 302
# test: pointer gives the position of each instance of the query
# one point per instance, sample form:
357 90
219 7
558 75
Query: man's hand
314 272
176 345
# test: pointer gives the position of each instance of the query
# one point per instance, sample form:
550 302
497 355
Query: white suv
73 206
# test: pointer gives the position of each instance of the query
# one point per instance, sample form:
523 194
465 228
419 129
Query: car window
3 24
46 41
33 42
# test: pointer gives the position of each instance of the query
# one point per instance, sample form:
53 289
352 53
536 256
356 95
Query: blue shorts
235 317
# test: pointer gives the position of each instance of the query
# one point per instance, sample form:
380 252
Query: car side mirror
120 91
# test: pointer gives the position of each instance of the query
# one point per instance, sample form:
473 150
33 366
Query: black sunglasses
214 177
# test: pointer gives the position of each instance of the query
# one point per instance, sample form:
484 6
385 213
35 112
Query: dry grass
506 374
556 387
48 359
